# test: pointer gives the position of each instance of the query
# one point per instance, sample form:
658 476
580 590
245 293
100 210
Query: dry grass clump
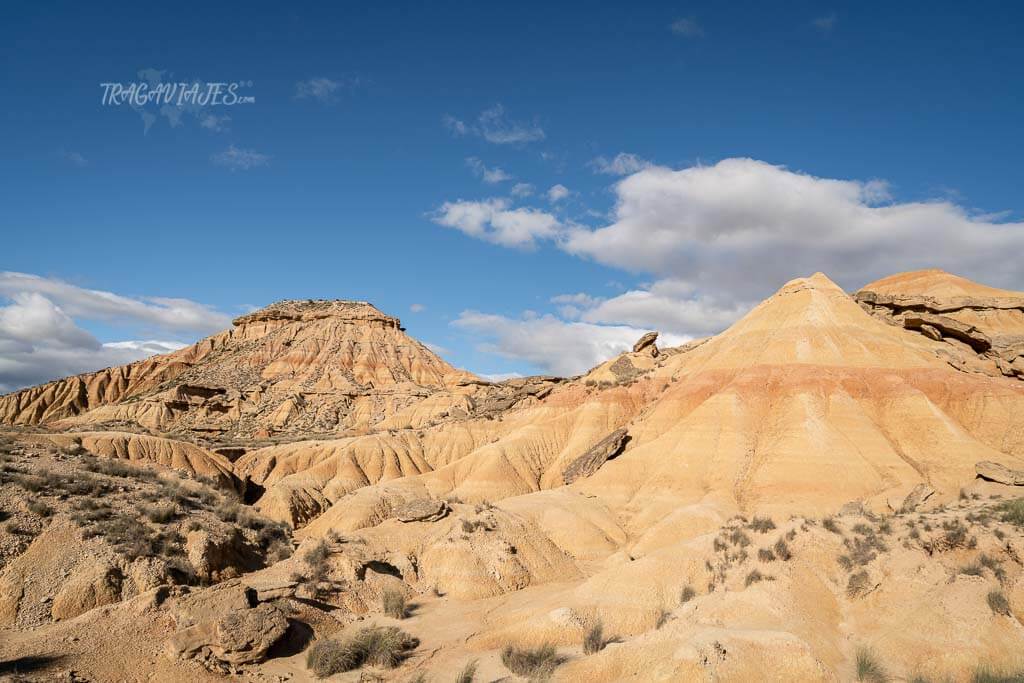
160 513
739 537
989 674
688 593
594 641
762 525
467 674
1012 511
861 550
765 555
998 602
782 550
375 645
38 507
869 668
830 524
394 604
315 577
536 663
858 584
756 576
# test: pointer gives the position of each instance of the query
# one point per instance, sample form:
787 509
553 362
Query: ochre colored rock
422 510
599 453
1001 474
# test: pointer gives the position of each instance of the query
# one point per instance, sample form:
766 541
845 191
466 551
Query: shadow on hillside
27 664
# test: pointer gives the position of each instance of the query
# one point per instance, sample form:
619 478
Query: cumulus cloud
166 313
557 193
417 308
548 343
621 164
826 23
742 227
322 89
522 190
490 175
495 127
237 159
39 341
688 28
494 220
215 123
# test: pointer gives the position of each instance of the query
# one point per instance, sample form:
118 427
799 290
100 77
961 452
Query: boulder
422 510
218 554
946 326
90 587
237 637
918 495
597 455
647 342
1000 474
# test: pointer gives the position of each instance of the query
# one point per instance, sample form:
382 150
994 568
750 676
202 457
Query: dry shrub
535 663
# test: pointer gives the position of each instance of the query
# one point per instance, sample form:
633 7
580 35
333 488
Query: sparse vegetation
159 514
537 663
782 550
393 602
1012 511
830 524
998 602
755 576
858 584
467 674
688 593
38 507
376 645
972 569
762 525
988 674
765 555
869 668
594 641
739 537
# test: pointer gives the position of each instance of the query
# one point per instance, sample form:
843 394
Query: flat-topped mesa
936 291
319 309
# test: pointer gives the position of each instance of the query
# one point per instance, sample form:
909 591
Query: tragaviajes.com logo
152 96
176 94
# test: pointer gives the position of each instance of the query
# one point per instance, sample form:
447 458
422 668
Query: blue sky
758 144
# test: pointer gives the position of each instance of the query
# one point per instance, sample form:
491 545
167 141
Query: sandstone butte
829 481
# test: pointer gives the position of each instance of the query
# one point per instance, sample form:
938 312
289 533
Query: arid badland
829 490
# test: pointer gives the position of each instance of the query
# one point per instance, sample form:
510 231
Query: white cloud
39 341
437 348
621 164
493 126
499 376
322 89
742 228
161 312
417 308
236 159
214 123
826 23
488 175
548 343
493 220
668 306
557 193
522 190
688 28
76 159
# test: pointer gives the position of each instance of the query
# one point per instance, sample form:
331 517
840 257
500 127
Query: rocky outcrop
917 496
422 510
983 326
234 638
597 455
1001 474
93 585
647 342
222 553
293 367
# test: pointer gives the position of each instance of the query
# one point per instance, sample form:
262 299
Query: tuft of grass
830 524
376 645
594 641
467 674
394 604
869 668
972 569
38 507
756 576
740 538
858 584
988 674
765 555
688 593
159 514
1012 511
998 602
536 663
782 550
762 525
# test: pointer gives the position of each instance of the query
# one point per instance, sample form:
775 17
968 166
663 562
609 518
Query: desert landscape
831 489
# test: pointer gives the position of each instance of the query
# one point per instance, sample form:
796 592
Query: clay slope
805 403
983 327
295 366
